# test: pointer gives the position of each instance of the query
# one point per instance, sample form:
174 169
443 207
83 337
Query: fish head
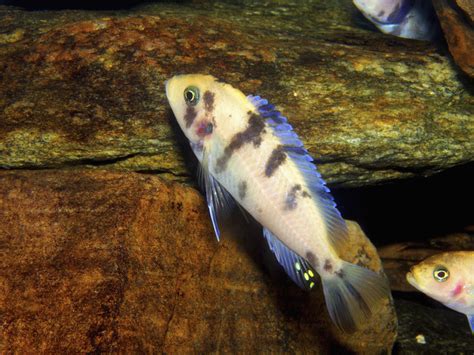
205 107
438 276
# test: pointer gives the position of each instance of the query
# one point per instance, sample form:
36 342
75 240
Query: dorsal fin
293 146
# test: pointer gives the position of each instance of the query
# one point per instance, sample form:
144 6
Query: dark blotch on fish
252 134
398 13
313 260
290 203
327 265
208 101
190 116
276 159
242 189
381 13
340 273
305 194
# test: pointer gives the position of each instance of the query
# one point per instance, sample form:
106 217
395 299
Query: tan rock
467 6
103 261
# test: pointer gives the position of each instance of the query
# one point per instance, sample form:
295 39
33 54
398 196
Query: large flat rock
81 88
96 261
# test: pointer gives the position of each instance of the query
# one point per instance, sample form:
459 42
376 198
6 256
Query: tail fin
352 293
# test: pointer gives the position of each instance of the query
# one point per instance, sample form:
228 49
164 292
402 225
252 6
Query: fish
448 278
414 19
251 157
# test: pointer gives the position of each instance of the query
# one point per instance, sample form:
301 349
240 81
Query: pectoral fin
470 319
297 268
219 202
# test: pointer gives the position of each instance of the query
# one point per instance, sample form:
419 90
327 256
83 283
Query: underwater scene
248 177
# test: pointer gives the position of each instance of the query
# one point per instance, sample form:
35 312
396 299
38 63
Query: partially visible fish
249 154
414 19
449 279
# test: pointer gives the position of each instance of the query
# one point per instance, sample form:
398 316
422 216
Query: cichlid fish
449 279
249 154
414 19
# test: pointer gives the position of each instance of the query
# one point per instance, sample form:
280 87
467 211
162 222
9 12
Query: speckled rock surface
105 261
83 88
456 19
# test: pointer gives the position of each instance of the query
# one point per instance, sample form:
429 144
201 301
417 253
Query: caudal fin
351 295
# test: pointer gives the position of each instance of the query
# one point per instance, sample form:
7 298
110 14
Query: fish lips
411 279
167 83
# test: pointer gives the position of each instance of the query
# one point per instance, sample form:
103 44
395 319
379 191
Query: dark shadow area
359 20
414 209
427 327
32 5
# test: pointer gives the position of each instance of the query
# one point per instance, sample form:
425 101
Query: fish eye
191 95
441 274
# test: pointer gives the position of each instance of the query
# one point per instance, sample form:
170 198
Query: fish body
250 155
415 19
449 279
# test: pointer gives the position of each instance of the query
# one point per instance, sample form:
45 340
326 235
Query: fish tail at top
352 293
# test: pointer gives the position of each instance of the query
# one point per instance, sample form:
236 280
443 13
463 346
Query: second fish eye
191 95
441 274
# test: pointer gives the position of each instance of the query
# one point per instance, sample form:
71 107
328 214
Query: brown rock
458 31
102 261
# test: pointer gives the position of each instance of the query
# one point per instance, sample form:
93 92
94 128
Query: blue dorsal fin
293 146
297 268
470 319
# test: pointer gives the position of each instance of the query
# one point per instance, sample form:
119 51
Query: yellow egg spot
310 273
306 276
311 285
298 266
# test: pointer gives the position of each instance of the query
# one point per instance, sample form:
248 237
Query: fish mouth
167 84
411 279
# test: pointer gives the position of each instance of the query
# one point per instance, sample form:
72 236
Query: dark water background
412 209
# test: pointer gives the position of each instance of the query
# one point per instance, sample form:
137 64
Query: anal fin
297 268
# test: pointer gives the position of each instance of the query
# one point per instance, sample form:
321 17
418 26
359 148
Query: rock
97 261
467 6
457 24
82 88
399 258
